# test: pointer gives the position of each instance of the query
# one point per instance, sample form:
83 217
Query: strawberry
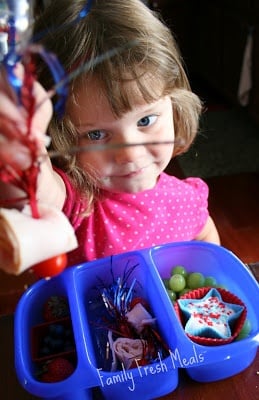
56 307
57 370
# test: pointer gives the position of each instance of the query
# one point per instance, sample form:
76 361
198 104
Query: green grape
179 269
166 282
184 291
210 281
172 295
246 329
177 283
195 280
241 337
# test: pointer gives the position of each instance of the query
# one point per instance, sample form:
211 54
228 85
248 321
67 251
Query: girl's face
129 169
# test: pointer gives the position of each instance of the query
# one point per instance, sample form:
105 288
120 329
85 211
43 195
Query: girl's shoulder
188 184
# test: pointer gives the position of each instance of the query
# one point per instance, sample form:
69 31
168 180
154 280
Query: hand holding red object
25 112
22 127
26 241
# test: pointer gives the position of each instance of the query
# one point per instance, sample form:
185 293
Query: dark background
212 37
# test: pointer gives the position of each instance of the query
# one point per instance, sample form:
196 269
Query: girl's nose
129 152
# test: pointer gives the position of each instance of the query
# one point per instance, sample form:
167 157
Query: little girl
126 116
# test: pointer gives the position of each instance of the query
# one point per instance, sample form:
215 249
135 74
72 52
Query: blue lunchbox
78 284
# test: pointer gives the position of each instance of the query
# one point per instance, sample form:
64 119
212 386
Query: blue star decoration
210 316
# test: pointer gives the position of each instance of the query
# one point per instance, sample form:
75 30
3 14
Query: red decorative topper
25 177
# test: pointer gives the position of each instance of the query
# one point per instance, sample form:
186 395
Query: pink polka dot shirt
174 210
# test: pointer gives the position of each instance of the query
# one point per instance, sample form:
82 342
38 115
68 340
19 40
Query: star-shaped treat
210 316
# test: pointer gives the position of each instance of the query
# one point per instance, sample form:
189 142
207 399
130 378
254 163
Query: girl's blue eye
95 135
148 120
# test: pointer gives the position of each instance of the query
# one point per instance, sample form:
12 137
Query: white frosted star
210 316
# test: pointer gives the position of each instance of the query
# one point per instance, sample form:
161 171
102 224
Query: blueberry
56 330
47 340
57 345
45 351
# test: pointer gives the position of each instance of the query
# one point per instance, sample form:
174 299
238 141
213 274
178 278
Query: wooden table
243 386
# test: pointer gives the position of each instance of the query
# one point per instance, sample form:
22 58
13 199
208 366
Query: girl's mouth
132 174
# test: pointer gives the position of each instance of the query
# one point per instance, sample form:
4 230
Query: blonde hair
143 46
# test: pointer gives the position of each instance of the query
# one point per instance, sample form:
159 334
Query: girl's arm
209 232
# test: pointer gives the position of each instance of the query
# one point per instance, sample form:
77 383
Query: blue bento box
202 363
